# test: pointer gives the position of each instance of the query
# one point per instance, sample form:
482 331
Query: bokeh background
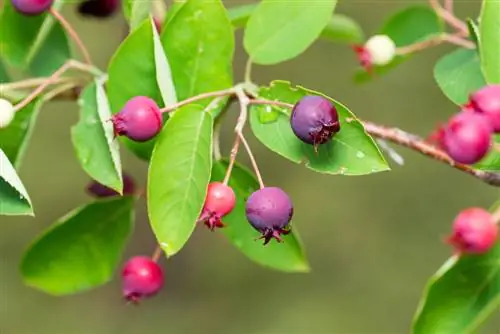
372 241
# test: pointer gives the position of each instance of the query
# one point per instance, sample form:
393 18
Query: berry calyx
141 277
269 210
474 231
139 120
219 202
32 7
98 8
99 190
487 102
467 137
314 120
7 113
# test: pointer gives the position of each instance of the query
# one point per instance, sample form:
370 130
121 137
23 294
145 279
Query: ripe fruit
142 277
140 119
99 190
219 202
474 231
381 49
269 211
314 120
7 113
487 102
32 7
98 8
467 137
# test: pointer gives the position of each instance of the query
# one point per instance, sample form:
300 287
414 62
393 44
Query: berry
140 119
98 8
142 277
314 120
467 137
487 101
381 49
269 211
474 231
7 113
99 190
32 7
219 202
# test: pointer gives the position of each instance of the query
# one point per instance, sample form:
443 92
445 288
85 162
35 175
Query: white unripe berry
7 113
381 49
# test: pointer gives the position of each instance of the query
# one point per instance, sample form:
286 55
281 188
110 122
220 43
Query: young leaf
490 35
133 72
199 41
93 138
179 173
351 151
136 11
281 30
14 138
288 256
82 250
36 43
14 199
458 74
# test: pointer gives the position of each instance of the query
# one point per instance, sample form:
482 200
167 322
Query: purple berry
32 7
314 120
140 119
467 137
98 8
142 277
487 101
269 211
99 190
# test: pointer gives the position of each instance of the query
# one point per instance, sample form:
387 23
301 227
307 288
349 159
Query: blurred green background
372 241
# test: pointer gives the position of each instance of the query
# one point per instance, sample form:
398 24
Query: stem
156 254
29 83
496 215
449 17
252 160
457 40
59 90
419 46
272 103
232 159
448 5
248 71
219 93
72 33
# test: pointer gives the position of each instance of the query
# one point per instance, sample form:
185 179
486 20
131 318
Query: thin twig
448 17
72 33
448 6
252 160
448 38
457 40
156 254
30 83
248 71
220 93
67 87
232 159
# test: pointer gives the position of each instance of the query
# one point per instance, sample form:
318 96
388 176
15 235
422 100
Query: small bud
381 49
7 113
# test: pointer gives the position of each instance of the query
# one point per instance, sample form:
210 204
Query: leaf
14 199
36 43
239 15
173 10
93 139
342 28
281 30
81 250
458 74
4 76
179 173
133 72
492 161
461 295
14 138
288 256
136 11
199 41
490 35
474 33
351 151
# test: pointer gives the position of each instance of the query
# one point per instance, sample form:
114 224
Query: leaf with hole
14 199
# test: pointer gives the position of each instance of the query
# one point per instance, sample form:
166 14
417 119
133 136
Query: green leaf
133 72
492 161
172 11
239 15
288 256
14 138
458 74
136 11
351 152
199 41
474 33
163 72
82 250
281 30
14 199
490 35
461 295
179 173
36 43
342 28
100 156
4 76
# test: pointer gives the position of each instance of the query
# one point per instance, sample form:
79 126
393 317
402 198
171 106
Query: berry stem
449 17
252 160
29 83
220 93
248 71
72 33
232 159
448 5
448 38
156 254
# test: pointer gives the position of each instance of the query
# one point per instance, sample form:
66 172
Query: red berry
142 277
487 101
467 137
219 202
474 231
99 190
140 119
32 7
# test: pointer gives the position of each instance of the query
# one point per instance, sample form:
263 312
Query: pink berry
487 101
32 7
219 202
467 137
142 277
140 119
474 231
